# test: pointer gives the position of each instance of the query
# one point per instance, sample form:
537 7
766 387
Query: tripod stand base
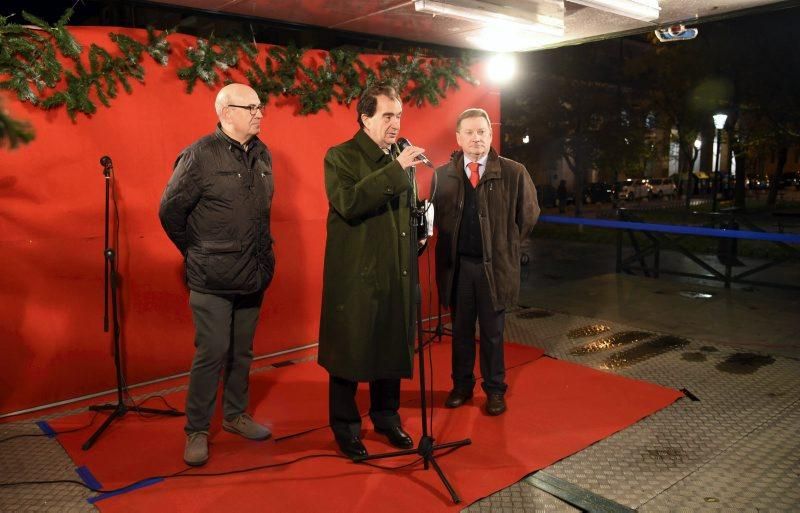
426 449
439 331
118 411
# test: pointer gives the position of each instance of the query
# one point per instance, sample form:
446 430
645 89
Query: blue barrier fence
669 235
787 238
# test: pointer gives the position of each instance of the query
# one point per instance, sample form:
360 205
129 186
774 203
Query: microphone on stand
404 143
105 161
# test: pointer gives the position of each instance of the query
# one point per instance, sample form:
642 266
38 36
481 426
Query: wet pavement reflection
622 338
645 351
586 331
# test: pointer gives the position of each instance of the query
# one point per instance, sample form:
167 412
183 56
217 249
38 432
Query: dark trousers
384 396
224 330
473 302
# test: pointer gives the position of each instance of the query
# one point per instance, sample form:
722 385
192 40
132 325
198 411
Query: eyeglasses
252 108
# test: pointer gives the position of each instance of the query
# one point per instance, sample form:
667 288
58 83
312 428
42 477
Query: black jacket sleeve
179 199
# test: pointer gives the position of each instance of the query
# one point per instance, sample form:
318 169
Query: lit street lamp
719 124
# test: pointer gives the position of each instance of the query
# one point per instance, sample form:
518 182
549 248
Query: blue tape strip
788 238
46 429
146 482
87 477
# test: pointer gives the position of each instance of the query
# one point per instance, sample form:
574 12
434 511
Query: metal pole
715 182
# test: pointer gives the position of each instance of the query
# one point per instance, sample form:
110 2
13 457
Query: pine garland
211 55
341 77
29 67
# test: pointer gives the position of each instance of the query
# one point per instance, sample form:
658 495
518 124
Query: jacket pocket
224 264
221 246
226 185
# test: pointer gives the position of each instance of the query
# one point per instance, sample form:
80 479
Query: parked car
598 192
635 188
663 187
757 183
789 179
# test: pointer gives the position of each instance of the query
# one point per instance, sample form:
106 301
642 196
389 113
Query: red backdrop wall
51 227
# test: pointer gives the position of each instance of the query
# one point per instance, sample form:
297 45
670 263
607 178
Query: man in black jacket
485 209
216 209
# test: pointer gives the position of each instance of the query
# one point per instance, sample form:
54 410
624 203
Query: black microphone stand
440 330
427 445
111 278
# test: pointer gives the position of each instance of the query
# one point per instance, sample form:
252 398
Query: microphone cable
185 472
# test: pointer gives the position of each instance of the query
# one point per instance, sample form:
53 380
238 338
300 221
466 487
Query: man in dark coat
370 276
216 210
485 208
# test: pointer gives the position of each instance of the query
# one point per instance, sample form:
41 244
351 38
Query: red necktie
473 174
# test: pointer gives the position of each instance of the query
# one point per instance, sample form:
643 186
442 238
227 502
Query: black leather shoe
352 447
457 397
397 437
495 404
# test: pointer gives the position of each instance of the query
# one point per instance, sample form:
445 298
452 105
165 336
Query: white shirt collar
482 161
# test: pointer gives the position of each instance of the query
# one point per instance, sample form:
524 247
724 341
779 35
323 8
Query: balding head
233 94
234 115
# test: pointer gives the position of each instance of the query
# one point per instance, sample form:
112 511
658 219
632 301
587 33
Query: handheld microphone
403 143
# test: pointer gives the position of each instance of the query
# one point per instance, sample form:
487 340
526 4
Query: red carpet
555 409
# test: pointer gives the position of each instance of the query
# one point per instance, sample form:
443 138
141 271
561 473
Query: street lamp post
719 124
698 143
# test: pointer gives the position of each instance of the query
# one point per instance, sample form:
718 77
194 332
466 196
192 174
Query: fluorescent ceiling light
645 10
508 40
546 16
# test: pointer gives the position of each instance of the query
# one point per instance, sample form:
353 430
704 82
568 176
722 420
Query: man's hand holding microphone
411 155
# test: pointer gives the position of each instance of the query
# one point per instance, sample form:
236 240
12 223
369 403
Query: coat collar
368 146
233 143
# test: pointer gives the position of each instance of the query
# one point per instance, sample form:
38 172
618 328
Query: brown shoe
196 451
457 397
495 404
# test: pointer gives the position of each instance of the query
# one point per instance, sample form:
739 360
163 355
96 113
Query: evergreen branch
65 42
14 133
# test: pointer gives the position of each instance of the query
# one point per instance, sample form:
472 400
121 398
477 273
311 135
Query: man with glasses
216 210
485 209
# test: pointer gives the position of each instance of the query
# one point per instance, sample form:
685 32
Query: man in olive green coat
369 283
